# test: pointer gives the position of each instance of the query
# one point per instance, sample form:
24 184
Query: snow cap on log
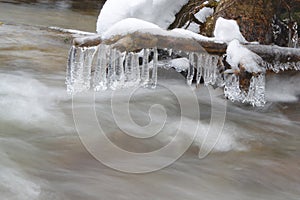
227 30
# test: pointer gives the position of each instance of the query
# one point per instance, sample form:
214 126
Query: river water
42 157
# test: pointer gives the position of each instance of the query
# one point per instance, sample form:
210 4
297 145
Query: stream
42 157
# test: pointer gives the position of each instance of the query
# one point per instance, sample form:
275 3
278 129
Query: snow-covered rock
160 12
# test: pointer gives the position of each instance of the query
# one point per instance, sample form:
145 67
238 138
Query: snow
160 12
228 30
191 34
180 64
194 27
130 25
204 13
237 54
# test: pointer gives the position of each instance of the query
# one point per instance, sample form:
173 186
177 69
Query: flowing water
42 157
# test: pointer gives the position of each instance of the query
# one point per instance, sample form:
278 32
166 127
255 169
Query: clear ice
106 68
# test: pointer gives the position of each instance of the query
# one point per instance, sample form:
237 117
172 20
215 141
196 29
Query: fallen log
136 41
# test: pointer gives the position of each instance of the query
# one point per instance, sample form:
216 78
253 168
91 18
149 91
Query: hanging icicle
100 80
191 69
79 69
115 70
145 75
154 68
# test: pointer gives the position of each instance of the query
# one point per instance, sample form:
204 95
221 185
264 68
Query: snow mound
160 12
237 54
130 25
227 30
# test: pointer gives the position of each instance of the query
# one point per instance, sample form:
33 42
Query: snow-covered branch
138 40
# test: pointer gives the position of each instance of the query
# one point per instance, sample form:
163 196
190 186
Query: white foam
27 101
14 185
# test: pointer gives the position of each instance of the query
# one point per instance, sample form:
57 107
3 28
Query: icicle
128 70
207 75
191 70
87 65
256 93
200 58
136 69
154 68
218 75
145 68
79 69
119 75
111 70
71 62
170 52
277 66
232 88
100 79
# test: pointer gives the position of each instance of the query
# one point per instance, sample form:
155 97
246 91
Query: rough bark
253 16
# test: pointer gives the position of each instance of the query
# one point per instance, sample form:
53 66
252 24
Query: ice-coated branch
271 53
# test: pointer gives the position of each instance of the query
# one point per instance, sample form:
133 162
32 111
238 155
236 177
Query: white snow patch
204 13
160 12
237 54
228 30
194 27
180 64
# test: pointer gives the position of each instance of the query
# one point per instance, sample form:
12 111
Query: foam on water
15 185
25 100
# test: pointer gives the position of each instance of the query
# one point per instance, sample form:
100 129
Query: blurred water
41 156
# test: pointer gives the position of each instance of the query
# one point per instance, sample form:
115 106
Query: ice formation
255 94
114 69
111 69
103 67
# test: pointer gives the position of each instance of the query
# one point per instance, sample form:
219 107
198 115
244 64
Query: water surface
41 156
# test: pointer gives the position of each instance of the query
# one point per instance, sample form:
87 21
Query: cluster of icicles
105 68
